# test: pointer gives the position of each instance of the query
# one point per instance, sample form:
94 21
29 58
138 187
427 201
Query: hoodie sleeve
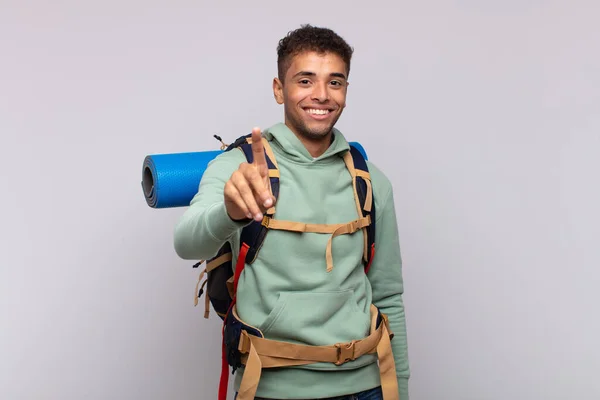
205 225
386 279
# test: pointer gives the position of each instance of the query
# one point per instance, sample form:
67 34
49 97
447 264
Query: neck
315 146
318 146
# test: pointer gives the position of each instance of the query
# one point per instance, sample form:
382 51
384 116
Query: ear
278 90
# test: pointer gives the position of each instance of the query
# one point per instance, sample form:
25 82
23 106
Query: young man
308 288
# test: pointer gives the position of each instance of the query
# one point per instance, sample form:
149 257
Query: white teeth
318 112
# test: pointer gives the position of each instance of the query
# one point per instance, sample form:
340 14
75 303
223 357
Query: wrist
221 224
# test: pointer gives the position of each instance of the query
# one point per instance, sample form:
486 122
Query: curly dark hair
311 38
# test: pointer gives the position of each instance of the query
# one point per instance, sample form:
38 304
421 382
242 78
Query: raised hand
248 191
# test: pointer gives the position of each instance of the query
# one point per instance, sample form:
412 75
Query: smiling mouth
317 113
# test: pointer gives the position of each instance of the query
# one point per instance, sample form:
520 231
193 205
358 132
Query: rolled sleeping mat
172 180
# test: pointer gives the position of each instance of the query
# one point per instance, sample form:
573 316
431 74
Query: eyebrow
308 73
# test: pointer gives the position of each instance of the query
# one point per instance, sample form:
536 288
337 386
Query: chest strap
333 229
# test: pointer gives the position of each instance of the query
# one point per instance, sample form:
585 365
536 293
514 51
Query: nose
320 92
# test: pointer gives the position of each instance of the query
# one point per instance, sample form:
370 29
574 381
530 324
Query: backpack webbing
219 269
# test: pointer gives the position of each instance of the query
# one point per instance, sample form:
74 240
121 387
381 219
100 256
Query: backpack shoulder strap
363 194
253 235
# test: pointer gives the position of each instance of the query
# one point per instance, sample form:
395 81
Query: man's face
313 93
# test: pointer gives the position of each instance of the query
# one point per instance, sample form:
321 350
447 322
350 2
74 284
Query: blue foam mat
172 180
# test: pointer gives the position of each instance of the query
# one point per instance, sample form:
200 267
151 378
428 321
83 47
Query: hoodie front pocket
316 318
273 316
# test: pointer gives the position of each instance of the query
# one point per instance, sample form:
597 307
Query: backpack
221 276
219 270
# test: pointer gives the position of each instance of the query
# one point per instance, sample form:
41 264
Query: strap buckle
345 352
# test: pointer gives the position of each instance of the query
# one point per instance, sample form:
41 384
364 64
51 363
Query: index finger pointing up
258 152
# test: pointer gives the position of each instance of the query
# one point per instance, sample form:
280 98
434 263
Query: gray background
485 116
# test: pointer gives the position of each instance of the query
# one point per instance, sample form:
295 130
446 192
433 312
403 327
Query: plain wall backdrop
485 116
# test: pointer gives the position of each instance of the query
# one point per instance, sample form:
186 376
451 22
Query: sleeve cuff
403 388
220 225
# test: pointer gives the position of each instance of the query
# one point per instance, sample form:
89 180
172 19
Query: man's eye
304 81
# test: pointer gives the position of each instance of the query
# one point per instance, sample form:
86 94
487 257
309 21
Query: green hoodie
287 292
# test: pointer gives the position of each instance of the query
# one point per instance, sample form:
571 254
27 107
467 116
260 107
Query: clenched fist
248 191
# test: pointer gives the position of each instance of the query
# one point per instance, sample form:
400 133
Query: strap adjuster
345 352
265 221
386 321
244 343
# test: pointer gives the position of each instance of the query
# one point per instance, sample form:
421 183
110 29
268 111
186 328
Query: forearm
202 231
205 226
388 288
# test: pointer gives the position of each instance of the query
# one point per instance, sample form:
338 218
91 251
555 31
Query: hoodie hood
281 137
